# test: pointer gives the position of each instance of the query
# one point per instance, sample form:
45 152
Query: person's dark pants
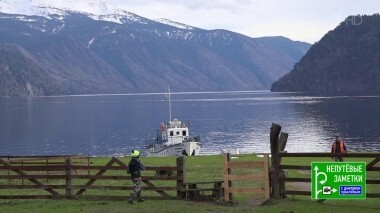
136 190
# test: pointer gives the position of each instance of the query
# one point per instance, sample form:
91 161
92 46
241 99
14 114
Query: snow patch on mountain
97 10
25 10
120 17
90 42
174 24
27 7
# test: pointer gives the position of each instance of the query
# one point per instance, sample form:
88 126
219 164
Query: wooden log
295 167
192 192
12 197
275 180
206 182
159 191
32 187
41 168
122 198
282 141
373 195
297 192
113 177
274 136
68 173
180 161
373 181
190 189
282 144
43 176
217 192
266 177
372 163
149 188
227 181
304 180
328 154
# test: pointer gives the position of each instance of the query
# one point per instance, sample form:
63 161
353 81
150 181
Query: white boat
173 139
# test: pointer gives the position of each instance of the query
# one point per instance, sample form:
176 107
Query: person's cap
135 153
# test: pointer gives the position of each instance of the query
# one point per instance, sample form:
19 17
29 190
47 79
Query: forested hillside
345 60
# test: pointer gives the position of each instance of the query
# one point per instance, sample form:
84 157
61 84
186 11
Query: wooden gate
229 176
35 177
68 179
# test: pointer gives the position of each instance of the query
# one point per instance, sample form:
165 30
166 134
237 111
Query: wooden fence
370 167
68 179
229 165
56 177
278 170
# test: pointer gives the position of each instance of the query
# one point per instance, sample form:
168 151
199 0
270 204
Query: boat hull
180 149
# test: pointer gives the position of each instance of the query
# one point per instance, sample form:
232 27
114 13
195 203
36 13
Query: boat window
177 132
183 133
171 133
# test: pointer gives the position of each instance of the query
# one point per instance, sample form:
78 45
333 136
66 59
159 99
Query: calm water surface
112 125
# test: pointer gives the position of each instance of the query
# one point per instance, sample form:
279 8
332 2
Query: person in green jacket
134 168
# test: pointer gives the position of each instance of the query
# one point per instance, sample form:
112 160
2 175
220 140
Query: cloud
296 19
232 5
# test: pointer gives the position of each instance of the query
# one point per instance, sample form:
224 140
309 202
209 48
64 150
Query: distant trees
344 60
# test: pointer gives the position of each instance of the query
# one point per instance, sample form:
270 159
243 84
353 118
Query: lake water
113 125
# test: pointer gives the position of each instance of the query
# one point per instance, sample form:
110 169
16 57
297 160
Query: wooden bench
193 190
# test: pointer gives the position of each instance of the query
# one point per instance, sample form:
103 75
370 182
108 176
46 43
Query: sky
301 20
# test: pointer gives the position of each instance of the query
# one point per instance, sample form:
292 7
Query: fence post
282 144
275 168
282 141
227 183
47 170
68 173
266 176
180 161
22 168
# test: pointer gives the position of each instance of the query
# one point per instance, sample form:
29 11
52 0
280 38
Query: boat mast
170 105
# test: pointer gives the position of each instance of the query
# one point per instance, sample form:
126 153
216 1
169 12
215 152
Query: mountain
345 60
20 74
89 47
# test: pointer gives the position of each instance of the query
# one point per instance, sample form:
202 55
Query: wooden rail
71 178
229 190
68 179
370 167
279 179
193 190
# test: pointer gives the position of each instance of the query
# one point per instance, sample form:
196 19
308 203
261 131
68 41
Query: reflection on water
116 124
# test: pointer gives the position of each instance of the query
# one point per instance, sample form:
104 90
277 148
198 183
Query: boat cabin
174 132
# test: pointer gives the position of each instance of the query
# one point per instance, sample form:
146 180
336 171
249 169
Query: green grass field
200 168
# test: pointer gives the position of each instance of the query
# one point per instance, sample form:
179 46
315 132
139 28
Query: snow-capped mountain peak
174 24
33 7
97 10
